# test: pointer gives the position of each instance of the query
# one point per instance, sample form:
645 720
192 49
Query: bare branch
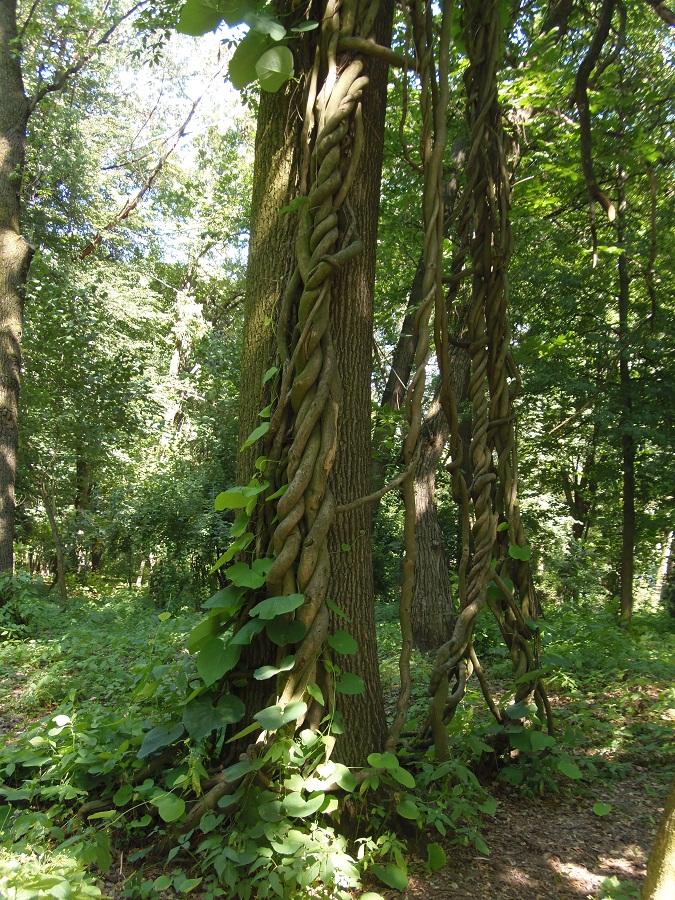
581 99
62 76
131 204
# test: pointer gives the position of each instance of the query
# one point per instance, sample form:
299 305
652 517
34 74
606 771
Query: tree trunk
627 439
667 592
271 261
15 256
58 544
660 881
433 616
351 584
271 253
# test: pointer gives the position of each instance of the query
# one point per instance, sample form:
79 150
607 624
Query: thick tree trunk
271 261
660 881
271 258
15 256
351 583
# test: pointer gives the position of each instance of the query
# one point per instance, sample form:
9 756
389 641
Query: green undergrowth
83 791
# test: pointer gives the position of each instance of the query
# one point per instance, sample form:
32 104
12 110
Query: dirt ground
554 849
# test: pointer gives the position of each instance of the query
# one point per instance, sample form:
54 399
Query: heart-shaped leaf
276 606
274 717
274 69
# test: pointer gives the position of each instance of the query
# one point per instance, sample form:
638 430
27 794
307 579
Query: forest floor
555 849
551 837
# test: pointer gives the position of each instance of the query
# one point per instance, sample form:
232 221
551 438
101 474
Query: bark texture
15 256
271 252
351 584
627 438
660 881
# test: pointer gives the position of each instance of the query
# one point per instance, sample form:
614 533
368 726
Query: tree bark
351 584
627 439
271 261
15 257
660 881
58 544
667 590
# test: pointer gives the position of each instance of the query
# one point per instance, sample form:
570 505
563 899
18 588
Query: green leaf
436 857
530 676
197 18
199 718
270 373
407 809
229 710
309 25
204 631
265 672
350 684
235 547
271 811
215 659
274 68
265 24
567 767
228 601
282 631
240 524
261 430
520 710
503 526
489 807
170 807
540 740
277 606
393 876
521 740
244 731
274 717
242 65
247 632
602 809
403 777
123 795
295 805
516 552
344 777
332 605
161 736
242 575
342 642
495 592
232 499
315 693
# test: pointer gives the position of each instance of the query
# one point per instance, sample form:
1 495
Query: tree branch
131 205
61 77
581 100
370 48
664 12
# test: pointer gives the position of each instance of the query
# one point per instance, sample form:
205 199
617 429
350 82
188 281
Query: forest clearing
337 536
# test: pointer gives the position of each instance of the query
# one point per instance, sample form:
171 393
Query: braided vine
302 437
485 245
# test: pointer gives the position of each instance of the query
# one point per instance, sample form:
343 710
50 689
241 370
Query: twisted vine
302 437
485 245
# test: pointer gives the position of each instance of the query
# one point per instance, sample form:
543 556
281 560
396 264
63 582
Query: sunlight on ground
582 879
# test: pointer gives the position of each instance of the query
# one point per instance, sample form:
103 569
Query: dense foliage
179 704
